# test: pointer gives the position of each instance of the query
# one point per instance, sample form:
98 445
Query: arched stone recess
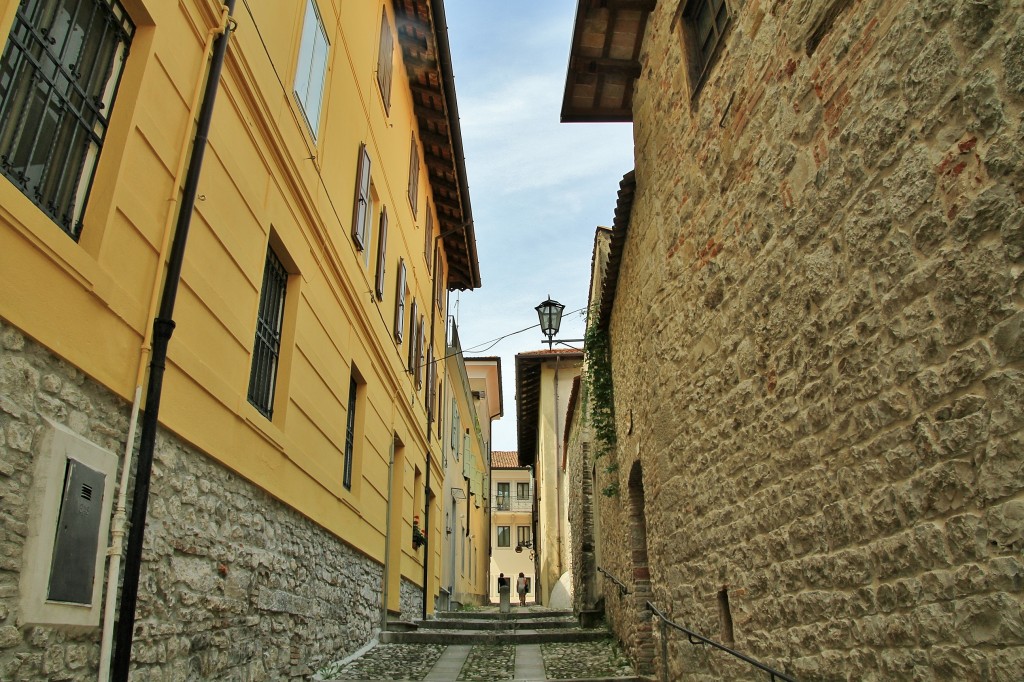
642 639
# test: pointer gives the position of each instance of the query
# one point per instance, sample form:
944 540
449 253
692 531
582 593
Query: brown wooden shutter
382 247
385 60
362 199
400 302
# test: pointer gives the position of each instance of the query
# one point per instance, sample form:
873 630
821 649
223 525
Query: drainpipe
558 477
163 327
387 540
117 529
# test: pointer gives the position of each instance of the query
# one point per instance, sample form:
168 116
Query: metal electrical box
73 567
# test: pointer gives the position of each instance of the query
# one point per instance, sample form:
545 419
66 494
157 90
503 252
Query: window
523 536
363 209
311 71
400 302
411 366
522 491
414 175
703 24
431 395
439 283
350 430
58 76
382 248
427 234
454 443
504 534
384 60
267 346
440 409
503 495
421 344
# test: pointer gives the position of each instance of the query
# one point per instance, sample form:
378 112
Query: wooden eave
423 37
620 230
528 371
604 60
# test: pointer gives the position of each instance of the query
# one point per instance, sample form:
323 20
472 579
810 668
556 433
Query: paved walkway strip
450 664
529 663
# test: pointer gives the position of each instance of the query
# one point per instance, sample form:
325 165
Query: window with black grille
58 76
350 431
269 324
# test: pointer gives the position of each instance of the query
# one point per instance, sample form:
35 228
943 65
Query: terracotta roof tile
505 459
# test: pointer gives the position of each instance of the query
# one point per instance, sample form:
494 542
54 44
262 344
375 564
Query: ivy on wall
600 399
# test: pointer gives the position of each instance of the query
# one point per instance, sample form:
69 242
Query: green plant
600 391
600 397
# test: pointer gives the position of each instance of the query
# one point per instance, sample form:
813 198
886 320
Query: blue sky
538 188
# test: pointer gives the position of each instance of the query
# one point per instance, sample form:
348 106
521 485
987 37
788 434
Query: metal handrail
622 586
695 638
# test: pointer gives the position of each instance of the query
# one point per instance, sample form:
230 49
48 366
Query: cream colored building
298 448
469 407
544 381
513 524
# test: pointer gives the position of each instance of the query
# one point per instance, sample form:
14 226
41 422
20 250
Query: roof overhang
604 60
423 36
528 385
620 230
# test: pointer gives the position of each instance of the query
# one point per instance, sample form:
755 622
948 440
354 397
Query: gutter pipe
387 539
120 519
163 327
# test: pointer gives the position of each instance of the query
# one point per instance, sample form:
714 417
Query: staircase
492 627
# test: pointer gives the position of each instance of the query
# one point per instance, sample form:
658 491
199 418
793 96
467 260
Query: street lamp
550 314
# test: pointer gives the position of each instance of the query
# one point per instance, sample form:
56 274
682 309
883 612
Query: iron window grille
267 346
350 432
59 74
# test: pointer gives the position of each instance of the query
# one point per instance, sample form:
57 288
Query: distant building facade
512 523
544 381
469 408
814 313
299 442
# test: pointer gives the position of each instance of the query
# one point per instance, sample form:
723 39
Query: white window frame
311 68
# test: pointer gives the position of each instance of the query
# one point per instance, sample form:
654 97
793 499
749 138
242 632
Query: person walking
521 587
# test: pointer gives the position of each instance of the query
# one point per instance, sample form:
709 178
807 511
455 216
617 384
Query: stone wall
234 585
817 340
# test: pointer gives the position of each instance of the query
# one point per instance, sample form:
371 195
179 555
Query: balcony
513 504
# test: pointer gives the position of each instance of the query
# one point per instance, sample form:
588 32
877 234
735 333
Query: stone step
480 624
517 636
494 614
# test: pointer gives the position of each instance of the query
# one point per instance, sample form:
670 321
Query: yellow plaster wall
263 181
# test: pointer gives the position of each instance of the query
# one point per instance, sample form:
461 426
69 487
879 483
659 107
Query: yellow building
298 439
470 406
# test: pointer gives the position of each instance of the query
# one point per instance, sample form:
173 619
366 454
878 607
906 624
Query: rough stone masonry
818 343
235 586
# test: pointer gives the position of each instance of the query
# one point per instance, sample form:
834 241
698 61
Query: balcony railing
513 504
